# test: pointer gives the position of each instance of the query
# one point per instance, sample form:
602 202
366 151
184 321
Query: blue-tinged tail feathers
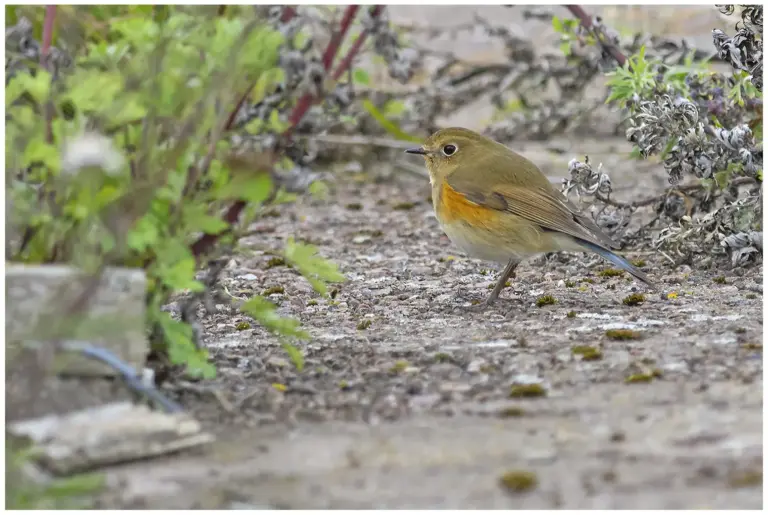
617 260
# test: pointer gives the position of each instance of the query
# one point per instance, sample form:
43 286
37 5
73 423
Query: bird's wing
549 209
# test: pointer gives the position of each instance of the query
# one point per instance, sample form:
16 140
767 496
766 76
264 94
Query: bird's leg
509 272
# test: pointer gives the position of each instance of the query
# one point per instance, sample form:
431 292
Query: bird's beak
418 150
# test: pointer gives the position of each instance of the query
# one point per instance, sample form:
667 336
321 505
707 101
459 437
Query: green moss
623 334
570 284
588 280
634 299
719 280
275 261
343 385
399 366
483 272
611 272
403 206
571 314
517 391
242 326
546 300
311 302
745 479
639 263
587 352
511 412
750 296
518 481
443 357
645 377
273 289
364 324
355 206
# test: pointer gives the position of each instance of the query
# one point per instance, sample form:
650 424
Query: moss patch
273 289
364 324
587 352
355 206
404 206
745 479
623 334
545 300
634 299
518 391
611 272
645 377
511 412
399 366
519 481
242 326
275 261
719 280
571 314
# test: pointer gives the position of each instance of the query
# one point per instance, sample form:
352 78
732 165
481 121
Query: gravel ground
413 396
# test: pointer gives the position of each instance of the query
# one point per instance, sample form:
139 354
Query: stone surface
107 435
39 381
38 296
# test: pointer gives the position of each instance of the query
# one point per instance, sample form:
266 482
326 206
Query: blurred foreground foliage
117 155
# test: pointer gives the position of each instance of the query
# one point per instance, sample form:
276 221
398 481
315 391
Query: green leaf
197 219
39 86
175 266
38 151
319 190
295 355
181 348
557 24
361 76
388 125
263 311
315 268
254 189
721 179
144 234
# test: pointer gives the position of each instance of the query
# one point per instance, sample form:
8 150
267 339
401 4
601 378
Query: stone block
39 313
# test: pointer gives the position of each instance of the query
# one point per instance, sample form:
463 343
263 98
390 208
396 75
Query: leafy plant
124 159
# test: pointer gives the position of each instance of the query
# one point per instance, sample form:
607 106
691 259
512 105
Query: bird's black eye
449 150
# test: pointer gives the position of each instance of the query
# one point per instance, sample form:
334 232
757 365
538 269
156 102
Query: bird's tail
618 261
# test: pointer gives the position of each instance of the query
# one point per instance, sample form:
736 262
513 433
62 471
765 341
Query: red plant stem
355 48
333 45
288 14
48 24
306 101
586 22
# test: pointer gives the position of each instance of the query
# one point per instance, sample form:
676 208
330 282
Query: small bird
496 205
